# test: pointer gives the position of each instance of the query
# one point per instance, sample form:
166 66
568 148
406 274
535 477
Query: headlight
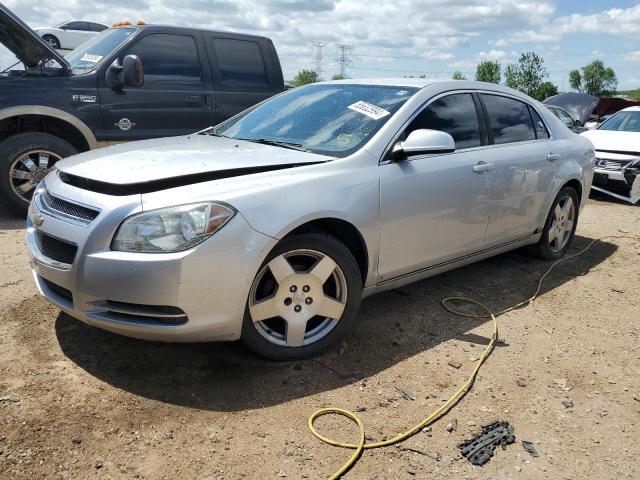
171 229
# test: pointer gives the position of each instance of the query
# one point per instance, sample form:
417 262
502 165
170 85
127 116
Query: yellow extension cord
359 447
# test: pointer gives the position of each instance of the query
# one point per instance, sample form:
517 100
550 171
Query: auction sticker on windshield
88 57
368 109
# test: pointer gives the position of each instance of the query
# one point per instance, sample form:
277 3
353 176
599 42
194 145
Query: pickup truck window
239 61
332 119
86 56
168 58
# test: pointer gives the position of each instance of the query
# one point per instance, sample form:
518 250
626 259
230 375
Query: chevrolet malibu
272 226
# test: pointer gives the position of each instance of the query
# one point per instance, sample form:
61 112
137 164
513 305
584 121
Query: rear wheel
25 159
304 298
52 41
560 226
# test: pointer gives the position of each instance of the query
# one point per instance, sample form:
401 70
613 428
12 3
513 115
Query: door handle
482 167
552 157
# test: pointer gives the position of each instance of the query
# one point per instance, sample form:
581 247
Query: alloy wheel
28 170
298 298
561 227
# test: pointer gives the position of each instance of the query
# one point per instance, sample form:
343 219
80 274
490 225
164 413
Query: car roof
171 28
631 109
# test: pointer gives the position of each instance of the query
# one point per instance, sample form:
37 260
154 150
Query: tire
550 247
52 41
43 149
308 259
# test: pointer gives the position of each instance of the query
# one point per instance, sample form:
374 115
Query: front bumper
208 284
618 177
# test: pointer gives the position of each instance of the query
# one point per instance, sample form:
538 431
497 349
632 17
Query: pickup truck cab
127 83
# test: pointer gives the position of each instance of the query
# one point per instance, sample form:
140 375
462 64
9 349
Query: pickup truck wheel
304 298
560 226
25 159
52 41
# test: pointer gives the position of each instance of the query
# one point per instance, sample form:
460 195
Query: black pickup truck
127 83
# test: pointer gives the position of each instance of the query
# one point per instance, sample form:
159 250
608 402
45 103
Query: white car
70 35
617 144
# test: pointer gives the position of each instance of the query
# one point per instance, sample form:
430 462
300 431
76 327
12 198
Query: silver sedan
273 225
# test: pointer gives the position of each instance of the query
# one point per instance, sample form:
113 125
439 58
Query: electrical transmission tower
343 58
318 57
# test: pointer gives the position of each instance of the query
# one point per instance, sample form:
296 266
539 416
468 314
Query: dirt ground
84 403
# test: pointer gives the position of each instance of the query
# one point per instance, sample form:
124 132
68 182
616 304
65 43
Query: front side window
239 61
508 119
628 121
168 58
335 119
86 56
455 114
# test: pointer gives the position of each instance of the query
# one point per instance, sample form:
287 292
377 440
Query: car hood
152 165
24 43
613 141
579 105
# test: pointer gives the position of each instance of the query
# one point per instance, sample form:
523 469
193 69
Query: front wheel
560 226
304 298
25 159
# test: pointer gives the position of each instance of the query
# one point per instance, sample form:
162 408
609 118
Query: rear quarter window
239 61
509 119
538 123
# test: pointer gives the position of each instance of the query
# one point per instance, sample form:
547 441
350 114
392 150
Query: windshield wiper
277 143
211 131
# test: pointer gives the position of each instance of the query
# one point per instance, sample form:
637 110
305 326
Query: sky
394 39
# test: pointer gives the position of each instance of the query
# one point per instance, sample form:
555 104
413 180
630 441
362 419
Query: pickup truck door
244 72
176 98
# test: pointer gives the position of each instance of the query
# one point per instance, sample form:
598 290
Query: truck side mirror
128 73
133 71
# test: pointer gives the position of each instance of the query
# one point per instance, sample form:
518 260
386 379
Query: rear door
243 72
435 208
524 163
176 97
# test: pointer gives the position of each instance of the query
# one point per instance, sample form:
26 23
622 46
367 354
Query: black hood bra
171 182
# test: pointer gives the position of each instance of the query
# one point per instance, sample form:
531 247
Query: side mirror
128 73
133 72
577 123
424 141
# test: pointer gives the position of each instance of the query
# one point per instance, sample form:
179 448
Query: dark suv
127 83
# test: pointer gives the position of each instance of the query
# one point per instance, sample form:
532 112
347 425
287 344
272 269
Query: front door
176 98
434 208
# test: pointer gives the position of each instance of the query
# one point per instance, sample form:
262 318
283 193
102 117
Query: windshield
623 122
87 55
330 119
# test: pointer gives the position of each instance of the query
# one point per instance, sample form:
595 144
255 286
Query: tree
337 76
457 75
527 75
546 90
596 79
488 71
305 76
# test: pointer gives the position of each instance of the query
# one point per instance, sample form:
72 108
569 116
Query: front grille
67 208
55 249
613 165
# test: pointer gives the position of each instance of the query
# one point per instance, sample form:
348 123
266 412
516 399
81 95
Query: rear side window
168 58
541 129
239 61
455 114
77 26
509 119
